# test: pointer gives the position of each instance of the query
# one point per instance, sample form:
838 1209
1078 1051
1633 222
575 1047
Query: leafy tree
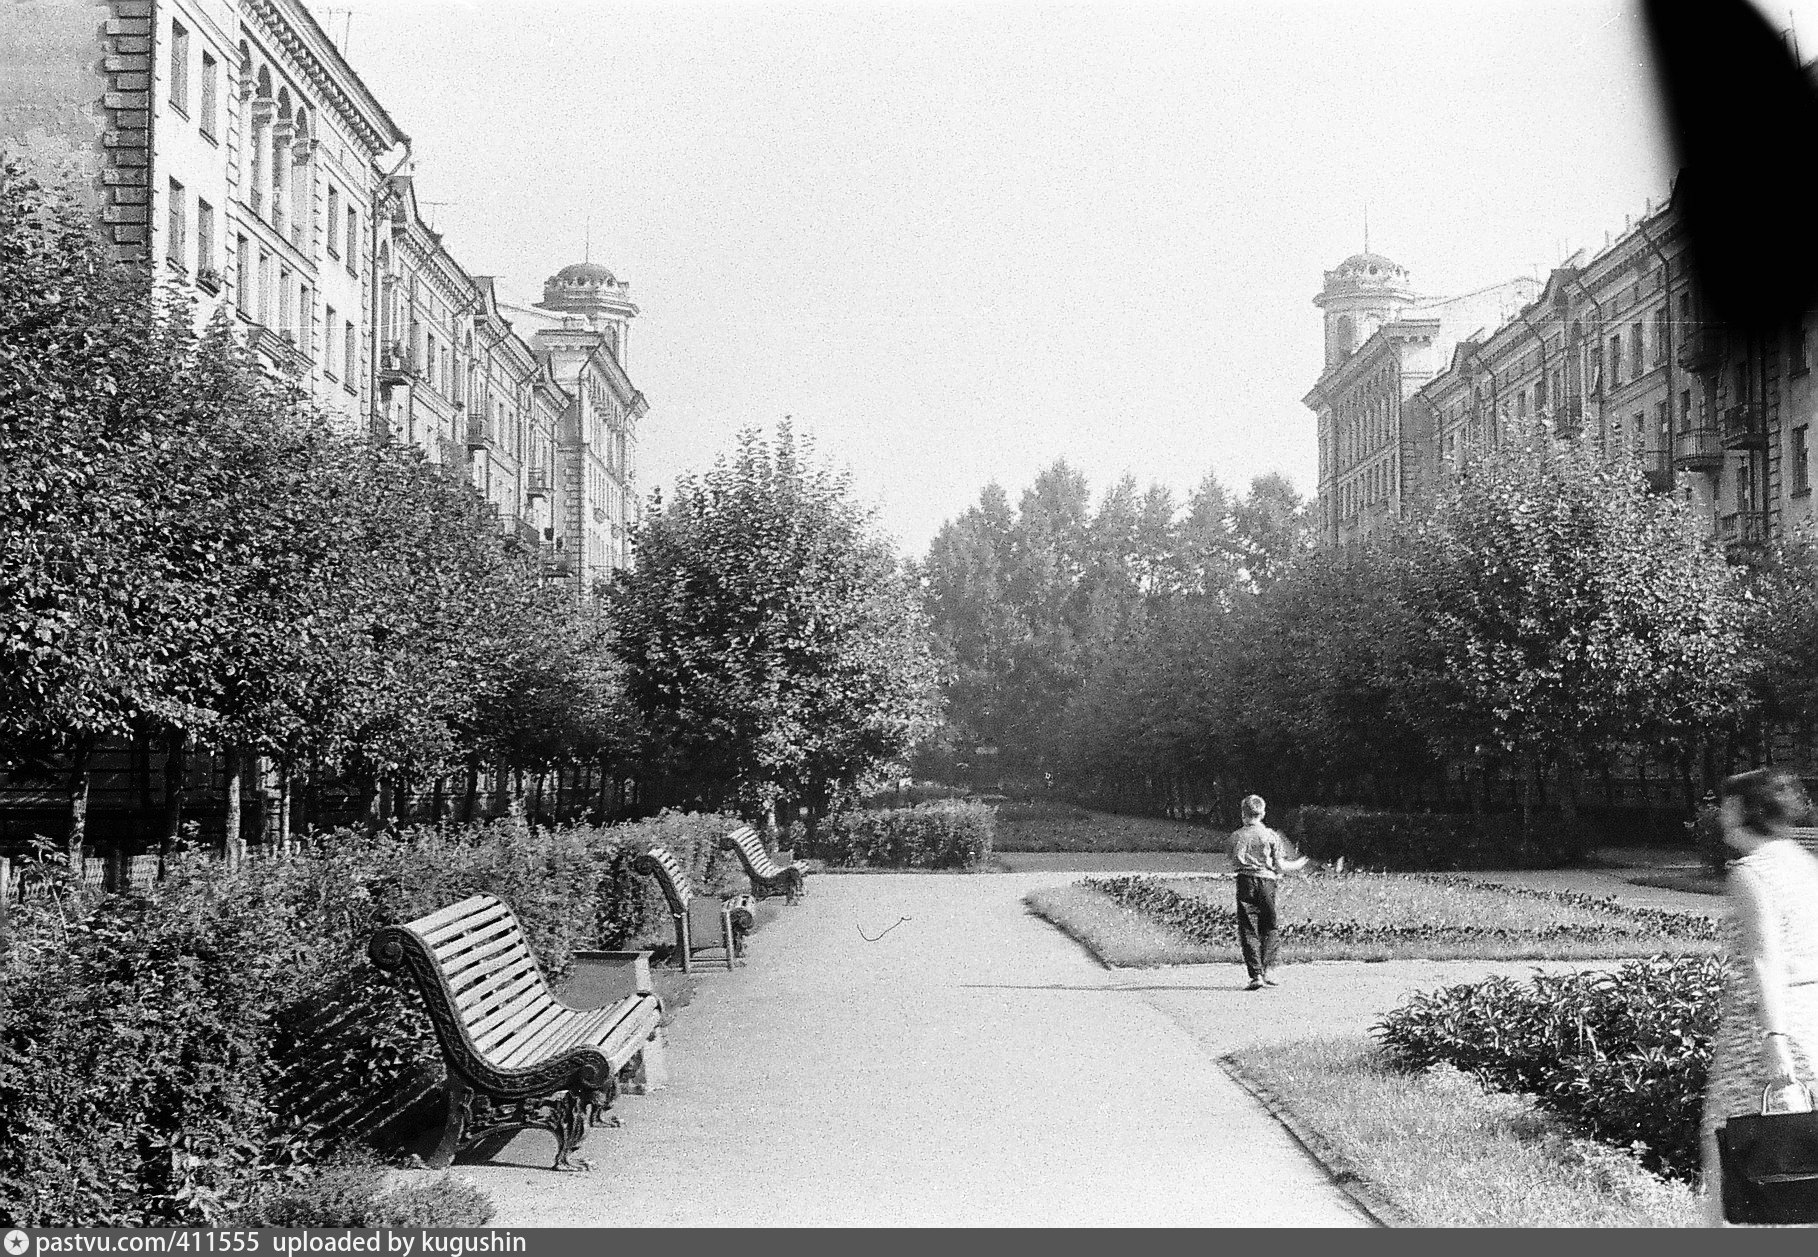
1565 611
772 643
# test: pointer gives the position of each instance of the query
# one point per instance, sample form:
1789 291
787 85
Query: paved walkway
971 1067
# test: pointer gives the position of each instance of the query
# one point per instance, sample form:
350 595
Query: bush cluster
164 1057
1623 1055
1213 921
1426 840
949 834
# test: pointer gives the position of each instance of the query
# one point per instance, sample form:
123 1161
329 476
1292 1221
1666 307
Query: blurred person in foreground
1767 1030
1257 857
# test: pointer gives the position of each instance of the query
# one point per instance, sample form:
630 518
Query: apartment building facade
1615 350
230 146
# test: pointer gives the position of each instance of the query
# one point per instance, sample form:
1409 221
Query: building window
174 241
350 355
334 222
264 301
1635 363
179 68
1662 425
1660 335
306 320
328 340
1802 476
211 73
1615 359
1685 410
353 241
1801 349
285 322
205 238
243 276
1639 424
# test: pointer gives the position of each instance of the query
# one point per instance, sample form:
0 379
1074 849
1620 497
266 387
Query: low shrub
354 1195
165 1056
1427 841
1214 919
950 834
1623 1055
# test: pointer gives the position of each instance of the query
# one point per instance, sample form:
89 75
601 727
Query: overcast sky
957 242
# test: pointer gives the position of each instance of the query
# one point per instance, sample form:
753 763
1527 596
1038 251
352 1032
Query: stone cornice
291 26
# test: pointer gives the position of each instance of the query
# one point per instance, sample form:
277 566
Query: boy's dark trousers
1256 922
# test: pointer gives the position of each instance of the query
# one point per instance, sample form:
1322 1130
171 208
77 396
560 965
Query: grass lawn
1697 882
1061 827
1145 921
1446 1153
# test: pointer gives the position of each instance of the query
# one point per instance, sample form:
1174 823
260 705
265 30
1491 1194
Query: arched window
258 147
303 181
281 134
1344 335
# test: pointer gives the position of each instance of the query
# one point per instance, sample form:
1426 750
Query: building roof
583 273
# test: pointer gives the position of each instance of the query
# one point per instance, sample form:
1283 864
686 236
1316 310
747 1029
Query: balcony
479 437
1657 470
527 535
1745 427
1698 449
536 482
1568 415
1743 533
397 364
558 564
1702 348
278 348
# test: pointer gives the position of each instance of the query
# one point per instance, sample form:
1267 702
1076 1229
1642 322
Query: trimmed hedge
949 834
1622 1055
1215 920
1426 841
166 1057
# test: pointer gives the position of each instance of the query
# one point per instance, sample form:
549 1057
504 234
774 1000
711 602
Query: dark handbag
1770 1167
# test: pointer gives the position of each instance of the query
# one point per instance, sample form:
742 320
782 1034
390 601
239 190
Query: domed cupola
1361 293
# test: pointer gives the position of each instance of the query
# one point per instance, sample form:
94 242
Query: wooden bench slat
484 953
534 1038
453 945
476 1002
508 1041
493 1017
452 931
423 926
521 1022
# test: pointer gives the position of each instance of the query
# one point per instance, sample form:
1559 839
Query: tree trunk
439 799
145 826
515 800
472 789
536 808
77 793
372 801
176 773
284 790
231 842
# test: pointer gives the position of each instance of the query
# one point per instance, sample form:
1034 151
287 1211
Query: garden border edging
1339 1168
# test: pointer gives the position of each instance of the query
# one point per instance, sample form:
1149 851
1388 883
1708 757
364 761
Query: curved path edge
1339 1168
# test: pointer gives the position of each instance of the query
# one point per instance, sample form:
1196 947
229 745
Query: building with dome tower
1613 350
581 330
1383 343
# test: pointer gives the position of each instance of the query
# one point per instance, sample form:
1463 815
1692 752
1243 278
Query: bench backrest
660 863
492 986
756 858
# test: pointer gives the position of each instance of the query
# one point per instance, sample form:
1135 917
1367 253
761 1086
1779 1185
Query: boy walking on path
1257 858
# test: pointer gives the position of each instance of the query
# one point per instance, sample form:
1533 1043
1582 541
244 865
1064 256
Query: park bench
517 1057
767 876
699 919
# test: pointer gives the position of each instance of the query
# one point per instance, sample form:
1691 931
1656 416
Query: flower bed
1382 915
